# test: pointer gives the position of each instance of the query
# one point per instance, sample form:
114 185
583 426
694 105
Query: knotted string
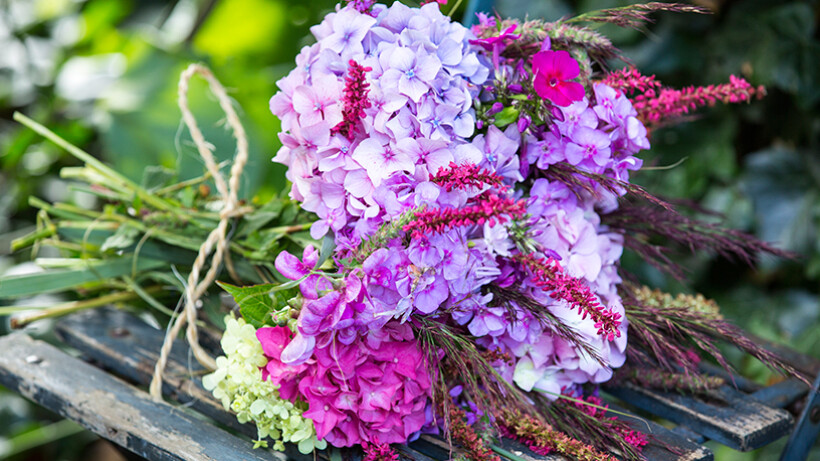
217 240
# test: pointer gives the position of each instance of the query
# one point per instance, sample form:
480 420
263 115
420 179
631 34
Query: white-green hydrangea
238 383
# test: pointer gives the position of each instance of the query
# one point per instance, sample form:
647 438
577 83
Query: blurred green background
103 74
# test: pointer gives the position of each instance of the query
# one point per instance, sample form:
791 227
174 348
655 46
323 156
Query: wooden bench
102 390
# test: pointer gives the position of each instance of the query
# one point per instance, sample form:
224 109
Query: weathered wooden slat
112 408
728 416
782 394
808 427
661 438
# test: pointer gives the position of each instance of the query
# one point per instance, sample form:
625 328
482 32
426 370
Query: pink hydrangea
374 390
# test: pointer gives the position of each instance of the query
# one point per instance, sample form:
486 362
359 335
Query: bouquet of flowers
472 202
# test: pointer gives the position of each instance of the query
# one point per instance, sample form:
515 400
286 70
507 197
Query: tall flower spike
629 80
544 439
355 99
550 277
667 103
488 207
465 176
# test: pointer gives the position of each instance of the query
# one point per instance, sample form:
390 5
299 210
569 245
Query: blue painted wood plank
807 430
782 394
726 415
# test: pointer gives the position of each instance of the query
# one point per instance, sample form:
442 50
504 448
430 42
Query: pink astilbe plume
362 6
473 445
465 176
544 439
355 99
656 103
379 452
596 408
550 277
629 80
487 207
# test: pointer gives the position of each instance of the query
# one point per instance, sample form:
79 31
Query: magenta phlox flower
553 71
497 43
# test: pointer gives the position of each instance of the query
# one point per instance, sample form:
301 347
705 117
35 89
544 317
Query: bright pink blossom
553 71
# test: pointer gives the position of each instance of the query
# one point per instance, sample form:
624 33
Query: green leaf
255 302
59 280
124 237
506 116
261 217
328 245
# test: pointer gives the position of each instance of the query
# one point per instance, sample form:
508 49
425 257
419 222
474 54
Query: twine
217 240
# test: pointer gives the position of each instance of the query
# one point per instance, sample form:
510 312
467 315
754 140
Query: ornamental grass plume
587 418
550 277
475 449
543 439
641 223
652 378
663 333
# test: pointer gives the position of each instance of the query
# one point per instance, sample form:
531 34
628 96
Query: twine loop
217 240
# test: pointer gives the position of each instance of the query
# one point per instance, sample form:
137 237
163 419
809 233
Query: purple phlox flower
396 17
454 254
336 154
319 101
496 240
381 159
576 115
385 103
500 151
411 72
588 145
332 311
612 106
550 150
324 196
424 254
349 29
488 321
549 197
293 269
281 104
334 219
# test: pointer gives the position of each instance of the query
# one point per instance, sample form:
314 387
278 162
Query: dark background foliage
103 73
